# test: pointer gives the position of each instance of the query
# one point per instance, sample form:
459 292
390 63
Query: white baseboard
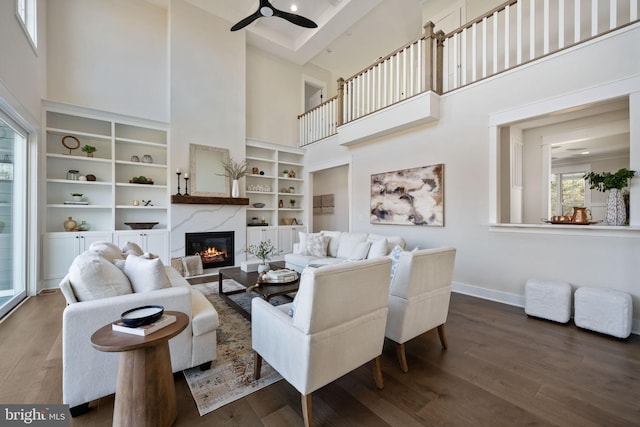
509 299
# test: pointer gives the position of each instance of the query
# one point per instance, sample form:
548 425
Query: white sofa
89 374
340 246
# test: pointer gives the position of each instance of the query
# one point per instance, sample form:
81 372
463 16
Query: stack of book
144 330
281 276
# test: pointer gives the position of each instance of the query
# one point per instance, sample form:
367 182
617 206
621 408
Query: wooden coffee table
265 290
145 391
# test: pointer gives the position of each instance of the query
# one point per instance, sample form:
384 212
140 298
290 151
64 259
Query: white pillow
302 243
395 256
334 242
92 276
378 248
317 245
131 248
146 274
360 252
348 243
303 247
107 249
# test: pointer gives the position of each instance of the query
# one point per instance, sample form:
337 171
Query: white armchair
338 325
419 297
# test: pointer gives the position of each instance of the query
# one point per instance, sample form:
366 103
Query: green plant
604 181
285 172
76 194
234 170
263 251
89 149
293 202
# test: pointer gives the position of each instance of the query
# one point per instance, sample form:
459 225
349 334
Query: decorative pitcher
581 215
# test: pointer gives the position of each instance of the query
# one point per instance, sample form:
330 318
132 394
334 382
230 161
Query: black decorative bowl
141 225
142 315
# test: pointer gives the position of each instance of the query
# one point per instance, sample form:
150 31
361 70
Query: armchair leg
306 409
377 373
443 336
257 365
402 357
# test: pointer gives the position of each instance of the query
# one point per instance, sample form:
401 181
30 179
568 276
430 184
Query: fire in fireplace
215 248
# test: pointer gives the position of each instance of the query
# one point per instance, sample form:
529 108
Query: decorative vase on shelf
70 224
616 212
84 226
235 188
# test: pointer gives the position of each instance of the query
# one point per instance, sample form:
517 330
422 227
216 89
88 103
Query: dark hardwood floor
501 369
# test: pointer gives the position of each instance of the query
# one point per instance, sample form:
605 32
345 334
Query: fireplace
215 248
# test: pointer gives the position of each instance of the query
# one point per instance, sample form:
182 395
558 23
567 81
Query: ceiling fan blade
295 19
246 21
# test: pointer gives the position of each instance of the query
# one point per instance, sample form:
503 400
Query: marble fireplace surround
198 218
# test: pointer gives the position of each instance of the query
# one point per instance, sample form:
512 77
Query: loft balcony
403 89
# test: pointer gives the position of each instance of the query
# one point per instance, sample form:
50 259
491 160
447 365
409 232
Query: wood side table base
145 379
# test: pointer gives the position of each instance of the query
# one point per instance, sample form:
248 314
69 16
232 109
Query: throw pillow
360 252
192 265
317 245
348 243
131 248
302 243
92 276
146 274
395 256
107 249
378 248
178 265
334 242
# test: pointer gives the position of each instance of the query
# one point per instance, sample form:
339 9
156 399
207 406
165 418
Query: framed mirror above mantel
208 177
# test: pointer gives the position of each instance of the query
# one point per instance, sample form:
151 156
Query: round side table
145 391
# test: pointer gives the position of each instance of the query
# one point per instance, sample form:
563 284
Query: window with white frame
26 13
568 189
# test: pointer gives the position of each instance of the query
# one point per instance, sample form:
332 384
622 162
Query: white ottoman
604 310
548 299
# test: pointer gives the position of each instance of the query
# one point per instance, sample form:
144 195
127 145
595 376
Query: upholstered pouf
548 299
604 310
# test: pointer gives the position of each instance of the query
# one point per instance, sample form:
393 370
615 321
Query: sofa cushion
348 243
334 242
107 249
360 252
131 248
395 256
378 248
92 276
146 274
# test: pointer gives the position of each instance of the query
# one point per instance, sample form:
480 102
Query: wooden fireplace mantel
204 200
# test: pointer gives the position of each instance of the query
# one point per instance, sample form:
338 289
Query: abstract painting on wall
408 196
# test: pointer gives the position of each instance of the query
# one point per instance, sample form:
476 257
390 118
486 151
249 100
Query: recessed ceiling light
294 8
585 152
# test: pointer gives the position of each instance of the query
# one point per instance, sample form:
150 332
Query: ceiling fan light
266 11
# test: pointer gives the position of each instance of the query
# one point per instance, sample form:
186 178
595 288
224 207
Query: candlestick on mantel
186 184
178 173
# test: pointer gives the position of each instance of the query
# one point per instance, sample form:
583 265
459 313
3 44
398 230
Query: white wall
109 55
494 263
208 108
332 181
22 70
275 96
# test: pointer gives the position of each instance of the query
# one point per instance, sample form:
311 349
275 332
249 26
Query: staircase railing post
340 101
440 39
428 56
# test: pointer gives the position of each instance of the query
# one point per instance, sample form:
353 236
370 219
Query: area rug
231 374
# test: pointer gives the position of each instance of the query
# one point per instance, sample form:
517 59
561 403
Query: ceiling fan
266 9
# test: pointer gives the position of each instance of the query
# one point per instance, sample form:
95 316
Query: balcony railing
516 32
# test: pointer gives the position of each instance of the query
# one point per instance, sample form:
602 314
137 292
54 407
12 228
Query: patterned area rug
231 374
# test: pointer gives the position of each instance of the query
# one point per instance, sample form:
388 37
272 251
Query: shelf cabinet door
59 250
255 235
155 242
287 237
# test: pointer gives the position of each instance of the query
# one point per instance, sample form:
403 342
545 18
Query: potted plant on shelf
285 173
234 171
263 251
77 197
614 183
293 203
89 149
